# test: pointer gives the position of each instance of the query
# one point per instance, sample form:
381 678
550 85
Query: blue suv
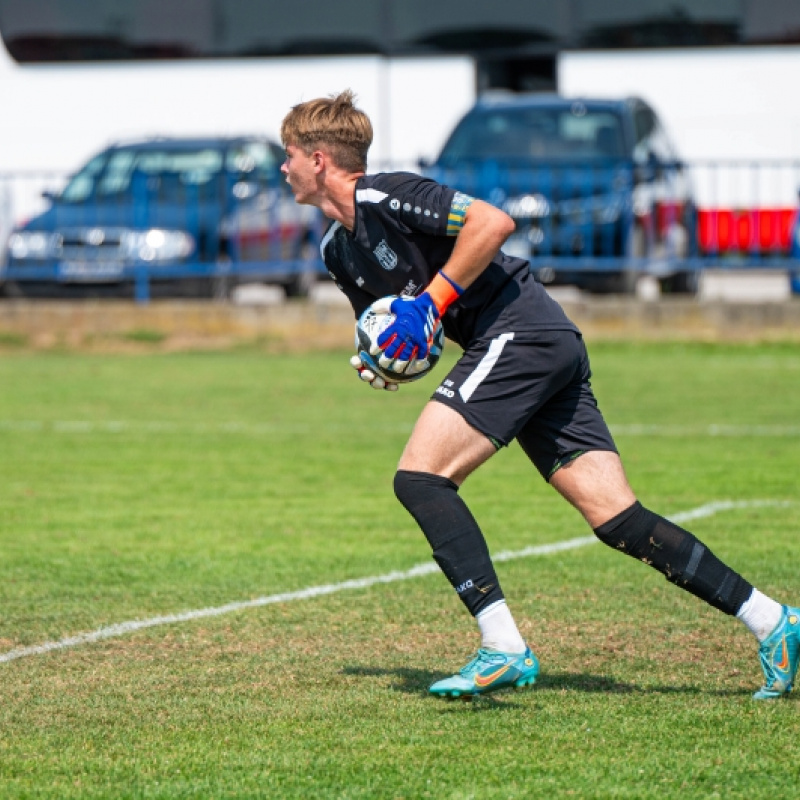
180 216
595 187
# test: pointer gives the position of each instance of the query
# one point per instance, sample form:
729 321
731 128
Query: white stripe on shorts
485 367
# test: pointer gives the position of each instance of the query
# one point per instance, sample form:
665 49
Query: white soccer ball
369 327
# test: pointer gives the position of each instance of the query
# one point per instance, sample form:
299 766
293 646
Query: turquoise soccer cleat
780 656
489 671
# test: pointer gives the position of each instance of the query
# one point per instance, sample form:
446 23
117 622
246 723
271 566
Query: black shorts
533 387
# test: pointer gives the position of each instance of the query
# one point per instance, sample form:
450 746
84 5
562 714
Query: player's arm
481 232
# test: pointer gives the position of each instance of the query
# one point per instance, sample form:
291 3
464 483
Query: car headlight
527 206
156 244
34 245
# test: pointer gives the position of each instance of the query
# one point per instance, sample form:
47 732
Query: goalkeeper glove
368 376
405 344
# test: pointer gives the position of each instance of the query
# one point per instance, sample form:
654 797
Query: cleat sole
467 696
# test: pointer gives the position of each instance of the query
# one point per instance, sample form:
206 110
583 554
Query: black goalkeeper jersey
404 232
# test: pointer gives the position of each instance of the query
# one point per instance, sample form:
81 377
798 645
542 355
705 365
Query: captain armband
458 213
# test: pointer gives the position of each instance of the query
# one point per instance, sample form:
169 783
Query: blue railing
156 231
599 226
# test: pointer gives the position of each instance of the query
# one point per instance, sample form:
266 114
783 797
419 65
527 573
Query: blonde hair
333 122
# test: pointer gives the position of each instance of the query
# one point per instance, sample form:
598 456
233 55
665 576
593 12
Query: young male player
524 376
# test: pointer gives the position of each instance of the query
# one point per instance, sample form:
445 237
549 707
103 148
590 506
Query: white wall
727 103
56 116
731 103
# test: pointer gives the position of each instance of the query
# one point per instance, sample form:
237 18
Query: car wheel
301 285
11 290
627 279
684 282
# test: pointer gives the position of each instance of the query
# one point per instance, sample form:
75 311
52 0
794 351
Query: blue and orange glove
405 344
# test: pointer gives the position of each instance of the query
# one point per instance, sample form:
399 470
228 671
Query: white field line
271 428
123 628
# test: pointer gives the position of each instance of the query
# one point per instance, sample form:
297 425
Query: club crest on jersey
387 258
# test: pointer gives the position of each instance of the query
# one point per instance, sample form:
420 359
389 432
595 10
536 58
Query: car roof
508 100
187 142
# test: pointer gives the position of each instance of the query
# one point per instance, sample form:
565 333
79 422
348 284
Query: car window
81 185
165 172
171 172
118 172
660 144
256 159
574 131
644 121
652 140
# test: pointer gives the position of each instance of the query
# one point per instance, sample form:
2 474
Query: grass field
135 487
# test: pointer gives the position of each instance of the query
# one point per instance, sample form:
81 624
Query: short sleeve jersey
404 232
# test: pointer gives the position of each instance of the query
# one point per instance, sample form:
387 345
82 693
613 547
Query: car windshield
535 134
169 172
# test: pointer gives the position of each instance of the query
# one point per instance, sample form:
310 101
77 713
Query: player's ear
319 160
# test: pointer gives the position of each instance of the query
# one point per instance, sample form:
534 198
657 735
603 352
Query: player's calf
682 558
458 545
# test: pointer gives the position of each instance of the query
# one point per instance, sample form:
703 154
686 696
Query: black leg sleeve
458 545
678 555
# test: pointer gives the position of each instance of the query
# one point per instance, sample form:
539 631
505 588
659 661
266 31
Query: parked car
595 186
794 252
169 216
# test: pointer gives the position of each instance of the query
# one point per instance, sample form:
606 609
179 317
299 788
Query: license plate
90 271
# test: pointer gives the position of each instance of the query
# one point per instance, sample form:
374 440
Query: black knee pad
453 534
682 558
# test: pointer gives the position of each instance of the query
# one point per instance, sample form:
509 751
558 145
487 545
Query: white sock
498 629
761 614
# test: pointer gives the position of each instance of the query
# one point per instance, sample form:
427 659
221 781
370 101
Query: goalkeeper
523 375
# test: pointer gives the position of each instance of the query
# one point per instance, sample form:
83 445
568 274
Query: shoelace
482 656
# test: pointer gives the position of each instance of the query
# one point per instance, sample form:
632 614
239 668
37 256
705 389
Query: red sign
757 230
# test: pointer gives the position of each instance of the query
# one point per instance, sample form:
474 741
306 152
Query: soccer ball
370 326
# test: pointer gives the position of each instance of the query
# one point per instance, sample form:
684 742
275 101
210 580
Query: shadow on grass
416 682
601 684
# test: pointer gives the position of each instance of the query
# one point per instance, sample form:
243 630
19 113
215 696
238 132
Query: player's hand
368 376
405 344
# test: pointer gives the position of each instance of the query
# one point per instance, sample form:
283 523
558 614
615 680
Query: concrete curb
294 324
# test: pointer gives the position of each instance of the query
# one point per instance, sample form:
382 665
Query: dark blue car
169 216
595 187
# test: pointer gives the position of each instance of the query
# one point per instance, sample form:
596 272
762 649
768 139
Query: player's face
300 172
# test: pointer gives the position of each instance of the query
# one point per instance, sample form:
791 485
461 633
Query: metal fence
601 229
164 233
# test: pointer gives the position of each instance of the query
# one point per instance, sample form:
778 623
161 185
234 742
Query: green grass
145 336
12 339
143 485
